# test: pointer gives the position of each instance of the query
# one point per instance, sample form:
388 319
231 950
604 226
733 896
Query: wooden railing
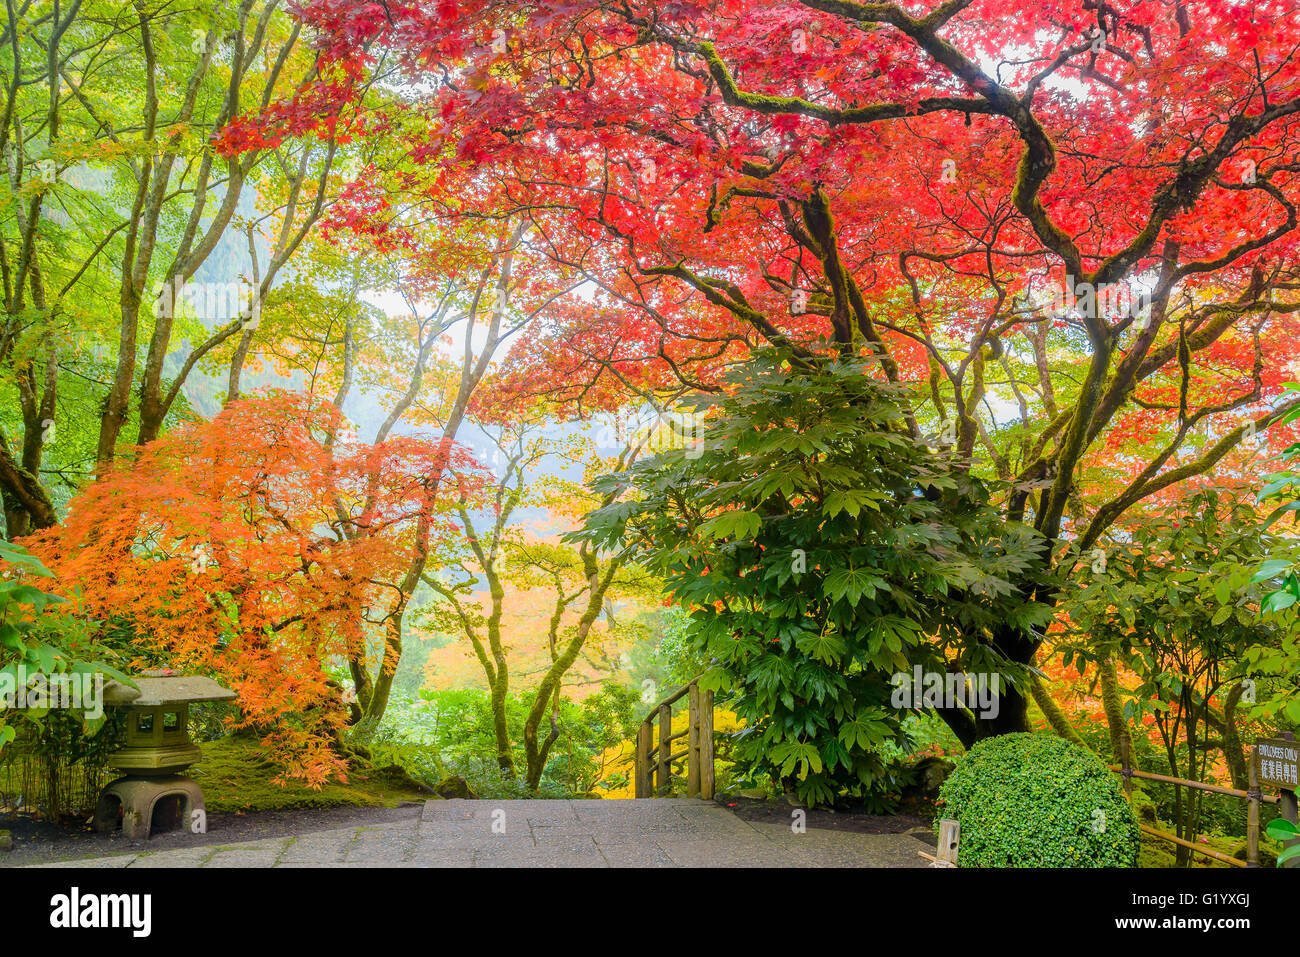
1253 798
654 762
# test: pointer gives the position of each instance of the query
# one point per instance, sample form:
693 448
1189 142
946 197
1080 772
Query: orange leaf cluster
259 547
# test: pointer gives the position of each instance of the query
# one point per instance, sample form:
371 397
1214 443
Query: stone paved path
597 833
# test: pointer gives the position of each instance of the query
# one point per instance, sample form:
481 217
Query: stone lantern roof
156 690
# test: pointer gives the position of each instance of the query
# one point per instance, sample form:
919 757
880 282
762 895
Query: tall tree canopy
113 192
1071 226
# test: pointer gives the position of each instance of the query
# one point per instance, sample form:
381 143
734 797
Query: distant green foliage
662 657
927 736
450 732
819 550
679 657
1182 595
1035 800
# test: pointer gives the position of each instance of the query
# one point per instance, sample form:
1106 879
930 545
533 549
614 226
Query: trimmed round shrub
1035 800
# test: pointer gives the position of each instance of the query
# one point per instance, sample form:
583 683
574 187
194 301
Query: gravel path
538 833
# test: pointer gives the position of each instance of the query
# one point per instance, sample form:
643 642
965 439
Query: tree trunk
27 505
505 756
237 366
1114 709
549 689
1052 711
1012 707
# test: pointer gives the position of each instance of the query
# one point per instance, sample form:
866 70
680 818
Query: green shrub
1035 800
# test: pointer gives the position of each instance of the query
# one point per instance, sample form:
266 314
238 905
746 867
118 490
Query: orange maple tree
261 546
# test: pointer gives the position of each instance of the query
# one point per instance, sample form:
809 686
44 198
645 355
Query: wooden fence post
643 761
1289 811
664 768
949 838
693 762
1252 809
706 746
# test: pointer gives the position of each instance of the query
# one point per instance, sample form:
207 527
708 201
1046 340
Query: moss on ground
236 775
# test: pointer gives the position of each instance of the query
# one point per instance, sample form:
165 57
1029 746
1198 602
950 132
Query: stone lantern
154 796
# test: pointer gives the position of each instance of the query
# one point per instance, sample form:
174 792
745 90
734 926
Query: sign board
1279 763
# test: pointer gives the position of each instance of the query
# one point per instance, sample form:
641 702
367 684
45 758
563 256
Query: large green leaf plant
821 552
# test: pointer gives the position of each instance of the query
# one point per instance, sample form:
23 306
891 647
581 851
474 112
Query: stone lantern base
172 798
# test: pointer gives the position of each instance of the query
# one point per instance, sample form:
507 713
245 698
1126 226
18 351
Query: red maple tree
1072 225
